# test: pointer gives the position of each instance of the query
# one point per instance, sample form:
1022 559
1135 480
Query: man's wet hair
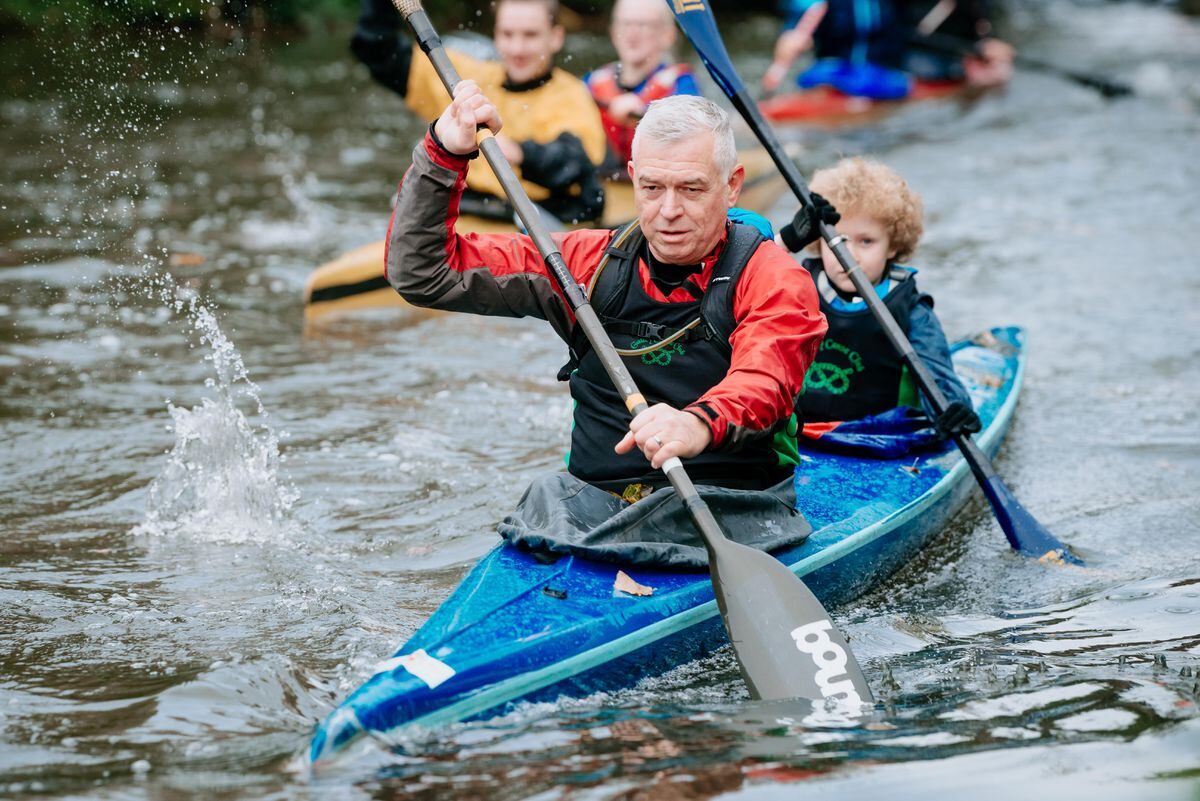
681 117
551 7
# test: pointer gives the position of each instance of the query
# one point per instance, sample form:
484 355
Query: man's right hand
456 128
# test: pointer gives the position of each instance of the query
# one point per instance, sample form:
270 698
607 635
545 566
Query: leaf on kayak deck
635 492
627 585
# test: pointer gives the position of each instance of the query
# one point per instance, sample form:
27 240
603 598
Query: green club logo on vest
660 357
830 376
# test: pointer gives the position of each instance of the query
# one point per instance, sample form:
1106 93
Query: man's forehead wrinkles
673 174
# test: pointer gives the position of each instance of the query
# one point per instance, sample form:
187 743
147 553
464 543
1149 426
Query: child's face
869 244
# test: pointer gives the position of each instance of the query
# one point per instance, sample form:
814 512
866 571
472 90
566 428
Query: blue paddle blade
1024 532
698 25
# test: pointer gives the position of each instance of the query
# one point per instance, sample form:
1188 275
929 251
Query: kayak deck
519 629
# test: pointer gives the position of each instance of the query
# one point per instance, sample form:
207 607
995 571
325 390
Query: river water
217 523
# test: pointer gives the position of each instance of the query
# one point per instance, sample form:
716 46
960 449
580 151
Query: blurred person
965 21
643 34
554 137
859 47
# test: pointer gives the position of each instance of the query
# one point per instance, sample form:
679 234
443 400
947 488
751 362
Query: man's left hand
662 431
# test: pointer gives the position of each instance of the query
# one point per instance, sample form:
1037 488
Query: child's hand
804 229
958 420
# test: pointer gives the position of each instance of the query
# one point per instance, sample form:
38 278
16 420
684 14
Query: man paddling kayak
684 275
643 33
554 137
859 45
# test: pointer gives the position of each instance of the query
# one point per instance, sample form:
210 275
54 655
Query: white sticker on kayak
425 667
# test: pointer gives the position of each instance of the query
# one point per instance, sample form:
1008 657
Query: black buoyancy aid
675 352
856 372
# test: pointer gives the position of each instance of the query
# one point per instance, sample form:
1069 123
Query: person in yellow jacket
552 129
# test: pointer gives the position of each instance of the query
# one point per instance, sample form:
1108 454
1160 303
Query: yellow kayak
355 280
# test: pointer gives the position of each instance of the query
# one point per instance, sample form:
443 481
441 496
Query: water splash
221 482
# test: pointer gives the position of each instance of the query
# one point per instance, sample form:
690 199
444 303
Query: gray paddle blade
784 640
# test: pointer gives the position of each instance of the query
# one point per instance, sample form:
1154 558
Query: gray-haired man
721 325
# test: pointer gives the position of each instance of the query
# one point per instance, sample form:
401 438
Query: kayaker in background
643 33
857 372
554 136
941 25
746 317
859 46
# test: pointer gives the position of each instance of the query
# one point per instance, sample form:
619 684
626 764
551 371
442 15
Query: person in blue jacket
857 372
859 47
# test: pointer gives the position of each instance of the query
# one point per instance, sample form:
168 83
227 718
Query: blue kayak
518 629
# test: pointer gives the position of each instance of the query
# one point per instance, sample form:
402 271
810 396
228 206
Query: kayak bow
520 630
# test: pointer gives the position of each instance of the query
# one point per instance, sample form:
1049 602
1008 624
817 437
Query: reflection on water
216 526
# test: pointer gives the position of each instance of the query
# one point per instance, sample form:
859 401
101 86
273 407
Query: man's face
682 199
526 39
641 32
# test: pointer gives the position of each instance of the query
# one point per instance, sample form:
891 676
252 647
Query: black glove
803 230
958 419
556 165
563 167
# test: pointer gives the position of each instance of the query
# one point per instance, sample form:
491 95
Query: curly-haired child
857 372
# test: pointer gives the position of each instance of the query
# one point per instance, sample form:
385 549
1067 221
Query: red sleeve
504 254
779 329
431 264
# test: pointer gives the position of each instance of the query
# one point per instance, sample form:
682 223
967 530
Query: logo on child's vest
660 357
830 376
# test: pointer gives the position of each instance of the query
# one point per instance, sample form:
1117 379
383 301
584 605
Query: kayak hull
519 630
826 107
